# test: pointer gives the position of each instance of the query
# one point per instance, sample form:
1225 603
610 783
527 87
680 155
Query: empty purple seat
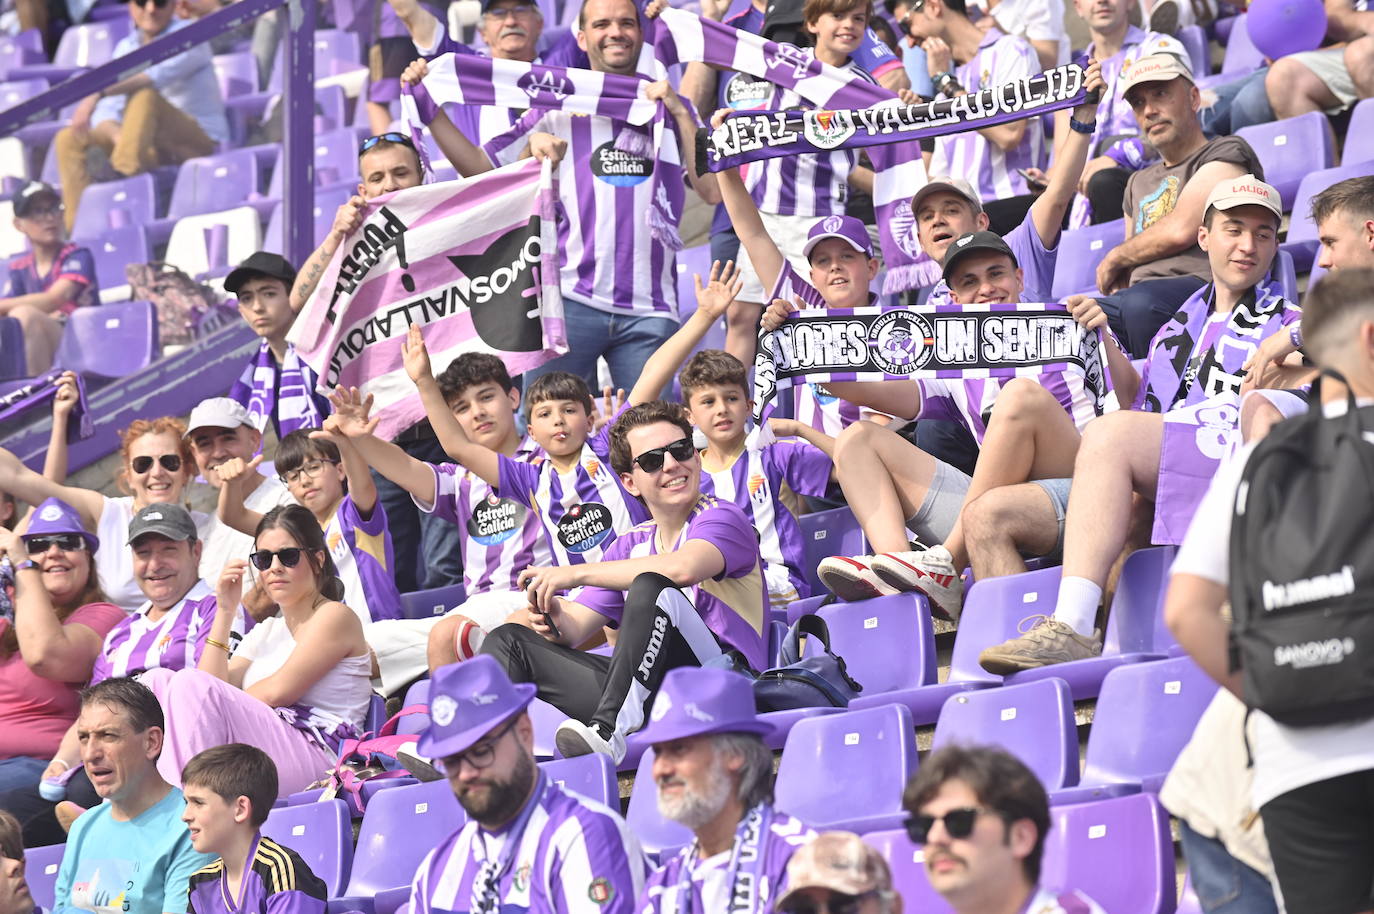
1080 251
909 879
115 204
1290 149
1117 852
1194 40
40 871
401 826
376 714
237 74
422 604
1284 274
1033 721
1361 127
208 184
416 695
1241 56
656 834
993 609
545 718
846 771
327 203
1146 713
91 44
335 160
13 362
322 833
110 341
1302 241
16 52
798 608
16 91
827 533
336 51
113 250
592 776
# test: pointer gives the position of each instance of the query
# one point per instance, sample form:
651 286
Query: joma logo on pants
655 645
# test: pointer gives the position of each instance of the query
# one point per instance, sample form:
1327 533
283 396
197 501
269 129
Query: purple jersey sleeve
607 602
373 525
506 148
803 466
443 501
1035 260
875 56
726 527
517 480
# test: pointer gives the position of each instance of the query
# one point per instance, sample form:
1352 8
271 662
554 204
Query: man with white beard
714 775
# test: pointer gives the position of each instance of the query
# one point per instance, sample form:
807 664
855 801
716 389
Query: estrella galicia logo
539 82
621 168
499 287
900 342
495 520
585 527
747 93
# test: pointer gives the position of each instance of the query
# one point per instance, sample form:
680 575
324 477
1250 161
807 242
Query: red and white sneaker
931 572
467 641
851 578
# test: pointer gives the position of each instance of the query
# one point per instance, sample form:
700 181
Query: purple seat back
1033 721
401 826
336 51
1146 712
656 834
1080 251
546 719
17 50
1283 272
1361 125
1290 149
1089 842
40 872
422 604
827 533
1301 227
909 879
798 608
993 610
237 74
327 203
208 184
1136 622
13 362
839 769
115 204
887 643
336 161
111 341
114 249
376 714
12 93
417 694
592 776
1241 54
1194 41
91 44
322 833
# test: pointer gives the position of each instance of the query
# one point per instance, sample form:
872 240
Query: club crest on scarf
827 129
539 81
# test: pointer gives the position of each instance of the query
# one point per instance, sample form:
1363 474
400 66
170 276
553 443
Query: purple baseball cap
56 516
467 700
846 227
697 700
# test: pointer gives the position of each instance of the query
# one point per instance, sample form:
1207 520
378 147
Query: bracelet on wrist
219 644
1078 126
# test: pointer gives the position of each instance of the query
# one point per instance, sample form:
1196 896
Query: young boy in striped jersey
229 792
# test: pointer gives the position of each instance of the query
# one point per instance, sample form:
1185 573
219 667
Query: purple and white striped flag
471 262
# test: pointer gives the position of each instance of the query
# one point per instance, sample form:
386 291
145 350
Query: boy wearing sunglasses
981 817
681 587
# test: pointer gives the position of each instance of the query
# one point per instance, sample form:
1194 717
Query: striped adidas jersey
573 854
173 642
276 881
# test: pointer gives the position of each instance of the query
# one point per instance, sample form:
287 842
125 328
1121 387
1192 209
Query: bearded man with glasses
681 587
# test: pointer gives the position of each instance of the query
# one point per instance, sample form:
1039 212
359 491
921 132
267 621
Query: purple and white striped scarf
262 391
42 389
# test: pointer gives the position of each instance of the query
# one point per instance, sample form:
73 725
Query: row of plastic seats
108 341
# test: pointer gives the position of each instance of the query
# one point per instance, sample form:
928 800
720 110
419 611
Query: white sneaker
931 572
574 738
851 578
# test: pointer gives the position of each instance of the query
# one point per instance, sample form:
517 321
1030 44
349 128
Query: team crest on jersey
601 891
163 642
522 878
986 78
827 129
593 467
758 489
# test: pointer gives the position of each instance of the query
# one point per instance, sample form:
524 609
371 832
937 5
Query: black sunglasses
834 903
157 3
652 461
67 542
958 823
392 137
262 559
170 462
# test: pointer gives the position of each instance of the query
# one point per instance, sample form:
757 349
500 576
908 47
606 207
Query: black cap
31 192
261 263
975 241
169 520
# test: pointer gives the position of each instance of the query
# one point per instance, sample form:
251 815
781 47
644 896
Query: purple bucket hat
56 516
697 700
468 700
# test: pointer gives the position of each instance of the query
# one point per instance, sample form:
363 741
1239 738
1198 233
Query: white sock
1077 604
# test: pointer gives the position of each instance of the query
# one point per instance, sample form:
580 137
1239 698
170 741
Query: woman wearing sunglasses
48 648
157 466
300 681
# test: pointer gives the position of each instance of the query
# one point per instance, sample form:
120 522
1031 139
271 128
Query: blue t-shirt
142 866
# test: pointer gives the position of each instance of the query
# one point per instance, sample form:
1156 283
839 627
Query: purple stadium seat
336 51
656 834
1194 40
422 604
336 161
1302 241
1088 844
1187 902
110 341
1357 132
907 862
691 261
13 363
846 771
1290 149
91 44
593 776
1080 251
1033 721
798 608
322 833
546 719
40 871
376 714
237 74
1285 273
401 826
1145 714
327 203
992 611
16 91
115 205
827 533
417 694
1242 56
113 250
16 52
208 184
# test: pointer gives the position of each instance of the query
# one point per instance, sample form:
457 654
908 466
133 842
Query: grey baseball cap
171 521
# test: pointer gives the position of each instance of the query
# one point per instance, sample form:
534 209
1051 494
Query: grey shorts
1058 491
934 520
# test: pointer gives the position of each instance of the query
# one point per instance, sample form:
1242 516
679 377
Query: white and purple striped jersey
173 642
583 510
1046 901
761 482
574 854
970 400
1035 260
610 258
361 549
969 155
500 537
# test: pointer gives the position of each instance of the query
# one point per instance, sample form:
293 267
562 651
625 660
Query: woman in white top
299 682
157 466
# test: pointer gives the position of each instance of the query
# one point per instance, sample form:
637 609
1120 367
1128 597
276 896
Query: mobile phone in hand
1031 178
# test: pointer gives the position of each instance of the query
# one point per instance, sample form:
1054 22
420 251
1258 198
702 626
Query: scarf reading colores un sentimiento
471 80
262 390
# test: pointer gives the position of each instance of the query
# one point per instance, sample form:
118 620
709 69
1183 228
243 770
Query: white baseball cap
218 412
1247 190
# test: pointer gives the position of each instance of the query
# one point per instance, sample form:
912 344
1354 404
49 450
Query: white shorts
1329 66
781 592
789 234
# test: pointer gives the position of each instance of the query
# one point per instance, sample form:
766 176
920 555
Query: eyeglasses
47 212
311 469
67 542
958 823
170 462
833 903
519 10
391 137
262 559
652 461
482 755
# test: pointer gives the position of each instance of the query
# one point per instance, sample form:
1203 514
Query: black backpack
1302 569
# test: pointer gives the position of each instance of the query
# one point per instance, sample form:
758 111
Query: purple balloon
1282 27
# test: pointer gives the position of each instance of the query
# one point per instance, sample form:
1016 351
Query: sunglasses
652 461
392 137
262 559
905 22
67 542
958 823
834 903
157 3
170 462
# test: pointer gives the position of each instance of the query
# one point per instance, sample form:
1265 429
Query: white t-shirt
223 542
1286 758
1034 20
114 561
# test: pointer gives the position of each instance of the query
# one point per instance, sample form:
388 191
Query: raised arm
55 461
215 659
26 485
791 428
351 420
744 216
348 217
705 185
713 299
233 474
423 27
1070 157
485 462
457 148
361 488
